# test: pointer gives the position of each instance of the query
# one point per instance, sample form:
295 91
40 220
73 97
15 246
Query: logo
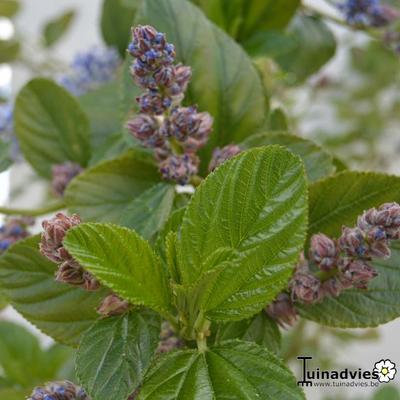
386 370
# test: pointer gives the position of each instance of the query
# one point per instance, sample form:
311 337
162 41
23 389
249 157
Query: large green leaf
148 213
318 162
123 261
252 212
105 191
234 370
116 21
358 308
5 159
8 8
316 45
23 362
59 310
101 106
55 29
243 18
340 199
115 353
229 87
259 329
50 126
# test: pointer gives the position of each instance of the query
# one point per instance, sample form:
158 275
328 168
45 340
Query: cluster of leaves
209 264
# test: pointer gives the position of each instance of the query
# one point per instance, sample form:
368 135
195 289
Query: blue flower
90 70
363 12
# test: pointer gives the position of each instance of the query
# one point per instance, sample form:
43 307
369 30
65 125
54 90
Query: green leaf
255 207
116 21
229 88
260 329
356 308
317 161
243 18
234 370
316 45
115 353
59 310
22 360
149 212
13 394
8 8
105 191
5 159
50 126
55 29
101 107
9 50
340 199
123 261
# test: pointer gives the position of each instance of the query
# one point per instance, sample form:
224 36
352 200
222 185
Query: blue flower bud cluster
91 69
364 13
13 230
345 261
63 390
175 133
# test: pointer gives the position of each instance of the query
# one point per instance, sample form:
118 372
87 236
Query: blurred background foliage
326 81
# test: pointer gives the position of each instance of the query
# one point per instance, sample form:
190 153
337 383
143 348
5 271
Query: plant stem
55 206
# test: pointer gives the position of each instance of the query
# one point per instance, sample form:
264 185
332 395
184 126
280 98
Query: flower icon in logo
386 370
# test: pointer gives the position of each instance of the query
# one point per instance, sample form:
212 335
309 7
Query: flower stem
36 212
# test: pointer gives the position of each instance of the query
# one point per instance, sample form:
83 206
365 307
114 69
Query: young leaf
115 353
50 126
116 21
9 50
59 310
340 199
225 83
234 370
316 45
148 213
55 29
260 329
255 207
103 192
123 261
318 162
358 308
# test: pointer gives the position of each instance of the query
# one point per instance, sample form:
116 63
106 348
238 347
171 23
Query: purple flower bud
145 128
12 231
55 230
332 287
63 390
181 79
353 243
70 272
388 217
152 102
306 288
186 122
323 251
282 311
219 155
113 305
356 273
169 341
179 168
62 176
